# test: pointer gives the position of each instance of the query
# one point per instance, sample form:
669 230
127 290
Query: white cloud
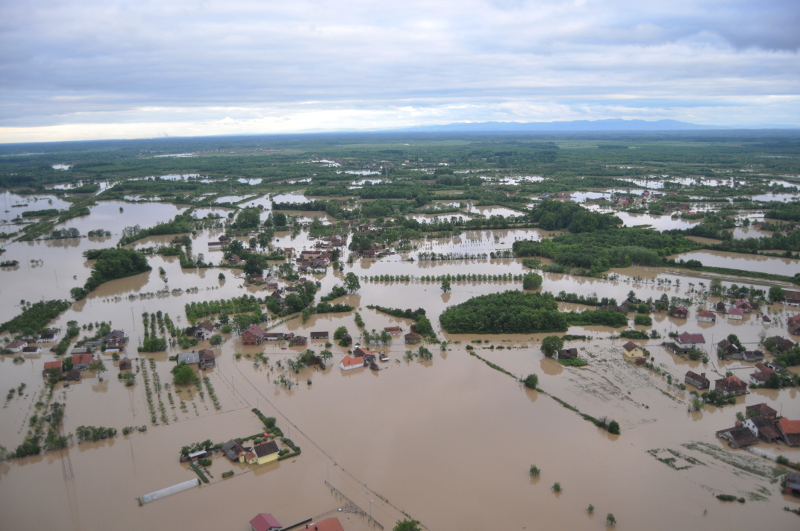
91 67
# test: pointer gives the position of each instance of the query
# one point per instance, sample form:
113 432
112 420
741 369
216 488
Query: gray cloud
92 61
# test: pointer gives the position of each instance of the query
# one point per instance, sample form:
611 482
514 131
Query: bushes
505 313
35 317
183 375
535 471
531 281
205 462
91 433
643 320
531 382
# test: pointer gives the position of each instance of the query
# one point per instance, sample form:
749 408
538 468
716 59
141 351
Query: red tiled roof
52 365
81 358
329 524
735 311
255 330
264 521
705 313
789 427
349 360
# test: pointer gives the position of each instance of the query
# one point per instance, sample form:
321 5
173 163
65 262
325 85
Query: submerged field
449 440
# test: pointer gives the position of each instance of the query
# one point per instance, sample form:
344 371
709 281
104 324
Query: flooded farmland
373 435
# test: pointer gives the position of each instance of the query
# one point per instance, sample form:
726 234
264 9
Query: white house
690 341
349 362
735 314
706 317
17 345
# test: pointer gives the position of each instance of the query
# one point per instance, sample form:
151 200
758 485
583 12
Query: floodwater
747 262
428 438
660 223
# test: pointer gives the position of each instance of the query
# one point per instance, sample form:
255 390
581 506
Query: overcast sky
85 69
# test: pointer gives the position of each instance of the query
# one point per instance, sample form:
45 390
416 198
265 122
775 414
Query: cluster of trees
591 300
199 310
558 215
92 433
183 374
34 317
183 222
110 265
515 312
422 324
601 250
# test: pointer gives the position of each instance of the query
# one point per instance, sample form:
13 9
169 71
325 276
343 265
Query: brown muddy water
449 441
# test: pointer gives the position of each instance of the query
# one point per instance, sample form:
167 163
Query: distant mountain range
547 127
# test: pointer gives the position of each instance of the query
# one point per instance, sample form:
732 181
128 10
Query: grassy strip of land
198 472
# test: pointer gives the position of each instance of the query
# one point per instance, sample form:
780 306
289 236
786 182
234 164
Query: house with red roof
743 305
687 341
790 431
52 365
81 362
253 335
793 325
730 385
350 362
706 317
680 313
265 522
329 524
736 314
761 375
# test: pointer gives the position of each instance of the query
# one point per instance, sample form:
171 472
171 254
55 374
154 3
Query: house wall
635 353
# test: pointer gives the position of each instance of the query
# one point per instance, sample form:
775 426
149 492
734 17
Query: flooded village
456 332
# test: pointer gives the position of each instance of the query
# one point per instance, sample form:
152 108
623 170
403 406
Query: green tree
590 509
445 285
221 276
279 219
531 381
613 427
551 345
610 520
351 283
776 293
248 218
183 374
556 487
531 281
215 340
535 471
407 525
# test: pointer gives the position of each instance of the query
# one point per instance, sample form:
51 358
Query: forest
111 264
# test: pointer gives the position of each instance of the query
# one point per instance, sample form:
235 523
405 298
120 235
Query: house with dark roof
779 344
234 451
730 385
567 353
265 522
686 341
790 431
263 453
116 339
763 428
698 380
34 349
319 335
793 325
752 355
16 346
760 410
632 350
720 308
206 358
743 305
298 341
792 298
253 335
125 364
727 348
680 313
412 338
393 330
791 484
738 437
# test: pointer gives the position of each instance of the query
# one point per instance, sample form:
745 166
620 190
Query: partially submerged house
319 335
116 339
738 437
790 431
791 485
763 428
253 335
265 522
207 358
50 365
743 305
680 313
412 338
263 453
234 451
393 330
698 380
631 350
189 358
761 375
298 341
793 325
686 342
727 348
706 317
735 314
567 353
792 298
350 362
125 364
730 385
329 524
81 362
31 349
16 346
760 410
752 355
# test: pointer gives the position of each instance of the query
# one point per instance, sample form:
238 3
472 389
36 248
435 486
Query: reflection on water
763 264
